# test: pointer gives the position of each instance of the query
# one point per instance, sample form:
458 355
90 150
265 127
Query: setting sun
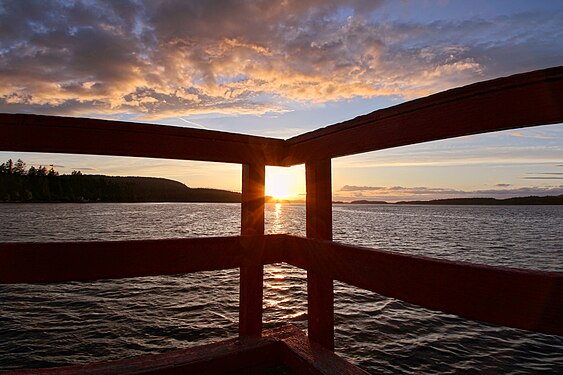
285 183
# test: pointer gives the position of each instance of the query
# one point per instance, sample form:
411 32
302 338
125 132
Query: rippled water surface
56 324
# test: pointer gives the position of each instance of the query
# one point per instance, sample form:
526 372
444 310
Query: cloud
479 150
400 189
520 134
162 59
361 188
90 169
542 178
396 193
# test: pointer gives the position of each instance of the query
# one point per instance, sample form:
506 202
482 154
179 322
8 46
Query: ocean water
67 323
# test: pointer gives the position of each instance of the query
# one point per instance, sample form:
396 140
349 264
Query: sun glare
285 183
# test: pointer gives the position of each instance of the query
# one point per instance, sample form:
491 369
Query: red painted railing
530 300
518 298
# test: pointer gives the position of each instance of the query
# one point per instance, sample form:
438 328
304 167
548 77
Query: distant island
18 184
531 200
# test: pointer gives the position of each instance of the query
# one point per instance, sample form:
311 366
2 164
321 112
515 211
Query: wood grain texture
35 133
251 270
531 300
229 356
320 288
305 356
252 208
318 180
521 100
84 261
286 345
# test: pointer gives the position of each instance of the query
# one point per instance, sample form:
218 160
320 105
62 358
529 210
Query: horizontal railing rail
521 100
523 299
84 261
22 132
526 299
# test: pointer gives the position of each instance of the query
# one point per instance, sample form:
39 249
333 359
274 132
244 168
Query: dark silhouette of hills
531 200
98 188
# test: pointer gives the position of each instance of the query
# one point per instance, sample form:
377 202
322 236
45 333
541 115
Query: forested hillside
17 184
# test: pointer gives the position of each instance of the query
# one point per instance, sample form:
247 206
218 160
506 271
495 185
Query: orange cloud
520 134
173 58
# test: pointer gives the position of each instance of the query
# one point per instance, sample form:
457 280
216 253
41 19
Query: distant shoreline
79 188
516 201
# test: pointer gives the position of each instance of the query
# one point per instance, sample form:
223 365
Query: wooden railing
517 298
523 299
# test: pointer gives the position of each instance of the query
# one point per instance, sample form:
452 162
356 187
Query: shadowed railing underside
523 299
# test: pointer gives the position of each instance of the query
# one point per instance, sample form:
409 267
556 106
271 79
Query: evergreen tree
7 167
32 172
19 168
42 170
52 172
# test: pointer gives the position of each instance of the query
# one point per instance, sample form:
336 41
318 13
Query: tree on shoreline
36 184
19 169
7 167
39 184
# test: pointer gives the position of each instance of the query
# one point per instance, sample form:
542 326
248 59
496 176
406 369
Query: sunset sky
279 69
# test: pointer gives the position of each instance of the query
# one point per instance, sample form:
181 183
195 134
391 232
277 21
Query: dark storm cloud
162 58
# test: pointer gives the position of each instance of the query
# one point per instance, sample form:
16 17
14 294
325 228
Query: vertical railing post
251 275
320 292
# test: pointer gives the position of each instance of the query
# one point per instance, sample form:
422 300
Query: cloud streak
542 178
522 135
193 123
174 58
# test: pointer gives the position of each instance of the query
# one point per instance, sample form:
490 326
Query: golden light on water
277 219
285 183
